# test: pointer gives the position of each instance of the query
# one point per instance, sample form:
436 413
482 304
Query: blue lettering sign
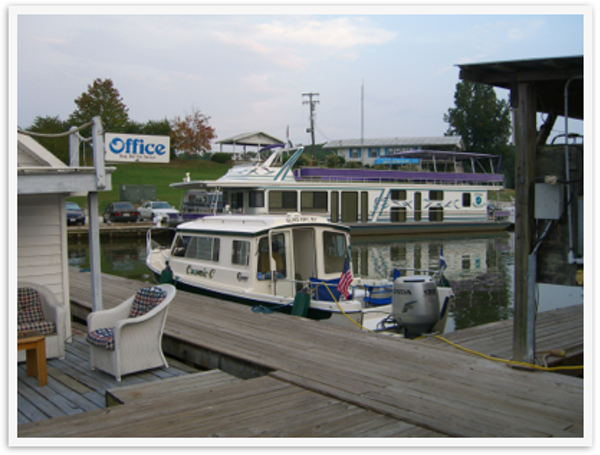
160 149
117 145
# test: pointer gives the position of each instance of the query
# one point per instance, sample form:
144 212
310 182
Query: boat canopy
254 225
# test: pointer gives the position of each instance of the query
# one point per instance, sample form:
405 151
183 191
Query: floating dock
304 378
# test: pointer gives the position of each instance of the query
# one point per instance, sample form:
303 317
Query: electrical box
549 201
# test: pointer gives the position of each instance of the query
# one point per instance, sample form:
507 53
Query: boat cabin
273 255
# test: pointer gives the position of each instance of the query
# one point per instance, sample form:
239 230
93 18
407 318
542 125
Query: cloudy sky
247 67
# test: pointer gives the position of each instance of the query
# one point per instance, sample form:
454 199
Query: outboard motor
415 304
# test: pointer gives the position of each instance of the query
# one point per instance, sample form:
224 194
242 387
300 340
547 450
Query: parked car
120 211
75 214
150 210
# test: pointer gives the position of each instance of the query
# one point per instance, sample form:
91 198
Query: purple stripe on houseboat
373 175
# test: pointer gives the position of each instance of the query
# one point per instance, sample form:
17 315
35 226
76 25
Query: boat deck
307 378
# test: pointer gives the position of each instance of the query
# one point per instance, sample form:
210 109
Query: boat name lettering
206 273
301 219
241 277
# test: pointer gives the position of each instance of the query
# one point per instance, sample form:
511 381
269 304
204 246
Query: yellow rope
485 356
338 305
511 362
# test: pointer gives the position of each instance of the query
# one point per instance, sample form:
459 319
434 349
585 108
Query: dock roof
422 141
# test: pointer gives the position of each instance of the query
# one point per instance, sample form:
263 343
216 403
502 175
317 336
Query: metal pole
94 228
94 247
74 148
98 150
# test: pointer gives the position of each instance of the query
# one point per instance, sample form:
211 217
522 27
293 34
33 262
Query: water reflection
122 257
480 270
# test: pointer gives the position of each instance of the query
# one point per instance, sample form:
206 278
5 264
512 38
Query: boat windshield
335 251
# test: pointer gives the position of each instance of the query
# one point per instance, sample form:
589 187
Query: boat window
398 195
398 214
364 206
314 201
240 252
204 248
436 195
278 248
283 201
436 214
334 251
466 199
256 199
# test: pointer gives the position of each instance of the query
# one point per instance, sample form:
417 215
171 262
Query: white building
366 151
44 183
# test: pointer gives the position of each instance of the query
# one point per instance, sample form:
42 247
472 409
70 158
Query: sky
378 71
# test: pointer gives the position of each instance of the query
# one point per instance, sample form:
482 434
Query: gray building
366 151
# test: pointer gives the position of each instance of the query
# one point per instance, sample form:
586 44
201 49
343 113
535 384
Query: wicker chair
127 339
40 311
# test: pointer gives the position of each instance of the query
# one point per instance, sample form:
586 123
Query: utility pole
311 130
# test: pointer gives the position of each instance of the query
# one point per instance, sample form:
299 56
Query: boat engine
416 304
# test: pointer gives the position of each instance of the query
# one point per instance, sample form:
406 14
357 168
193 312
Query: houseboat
291 263
418 191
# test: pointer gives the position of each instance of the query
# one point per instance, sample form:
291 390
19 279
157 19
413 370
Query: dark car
75 215
120 211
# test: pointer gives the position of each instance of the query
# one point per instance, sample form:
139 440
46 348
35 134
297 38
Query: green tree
483 121
102 99
152 128
59 146
192 134
479 118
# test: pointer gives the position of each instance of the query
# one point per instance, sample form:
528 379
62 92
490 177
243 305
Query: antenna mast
362 112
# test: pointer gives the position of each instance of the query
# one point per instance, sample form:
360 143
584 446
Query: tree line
190 135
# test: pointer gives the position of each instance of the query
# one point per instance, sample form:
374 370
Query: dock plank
373 383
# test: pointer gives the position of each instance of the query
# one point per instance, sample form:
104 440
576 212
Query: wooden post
525 142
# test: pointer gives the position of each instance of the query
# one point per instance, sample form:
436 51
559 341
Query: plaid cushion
42 327
29 306
103 338
145 299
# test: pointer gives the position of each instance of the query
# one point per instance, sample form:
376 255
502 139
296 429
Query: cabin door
282 267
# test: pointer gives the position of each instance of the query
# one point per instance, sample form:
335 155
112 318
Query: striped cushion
41 327
102 338
145 299
29 306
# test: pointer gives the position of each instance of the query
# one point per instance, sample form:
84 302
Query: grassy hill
160 175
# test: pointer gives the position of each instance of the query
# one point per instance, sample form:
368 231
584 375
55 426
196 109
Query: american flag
345 280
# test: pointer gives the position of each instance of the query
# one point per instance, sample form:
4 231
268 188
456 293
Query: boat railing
152 245
426 181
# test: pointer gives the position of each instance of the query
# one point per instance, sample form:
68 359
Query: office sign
121 148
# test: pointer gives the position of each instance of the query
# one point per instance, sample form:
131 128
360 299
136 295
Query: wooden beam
525 141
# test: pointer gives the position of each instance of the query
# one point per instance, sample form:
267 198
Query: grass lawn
160 175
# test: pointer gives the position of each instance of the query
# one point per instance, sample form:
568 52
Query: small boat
297 264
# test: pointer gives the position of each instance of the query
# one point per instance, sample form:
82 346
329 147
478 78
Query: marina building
373 151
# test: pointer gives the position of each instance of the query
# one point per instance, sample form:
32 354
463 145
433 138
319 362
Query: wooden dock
307 378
